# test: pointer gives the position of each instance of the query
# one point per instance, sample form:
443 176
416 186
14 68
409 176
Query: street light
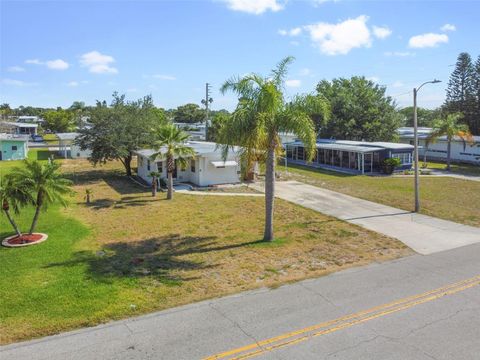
415 142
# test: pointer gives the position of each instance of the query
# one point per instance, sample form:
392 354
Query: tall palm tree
261 114
46 183
171 144
450 127
13 196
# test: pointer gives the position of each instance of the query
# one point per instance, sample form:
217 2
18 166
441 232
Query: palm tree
46 183
450 127
261 114
13 196
170 143
154 175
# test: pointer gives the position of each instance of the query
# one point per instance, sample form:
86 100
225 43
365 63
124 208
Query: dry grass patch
142 254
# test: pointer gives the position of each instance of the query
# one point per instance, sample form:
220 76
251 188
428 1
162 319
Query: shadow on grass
164 258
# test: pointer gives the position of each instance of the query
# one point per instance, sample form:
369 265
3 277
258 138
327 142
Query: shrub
390 164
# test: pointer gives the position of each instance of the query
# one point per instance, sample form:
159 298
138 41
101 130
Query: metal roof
200 148
355 146
66 136
20 124
10 137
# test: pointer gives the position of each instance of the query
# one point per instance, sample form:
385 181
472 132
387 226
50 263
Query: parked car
37 138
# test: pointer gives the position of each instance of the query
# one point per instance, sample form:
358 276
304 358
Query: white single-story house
206 169
67 147
13 147
438 150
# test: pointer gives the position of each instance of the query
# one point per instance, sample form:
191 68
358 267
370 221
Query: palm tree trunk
170 186
170 168
269 194
39 204
449 148
154 186
6 210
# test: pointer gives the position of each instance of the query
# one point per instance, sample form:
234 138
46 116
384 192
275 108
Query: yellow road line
297 336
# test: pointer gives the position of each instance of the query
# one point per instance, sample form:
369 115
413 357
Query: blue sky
54 53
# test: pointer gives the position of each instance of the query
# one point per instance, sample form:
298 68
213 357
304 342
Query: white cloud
98 63
448 27
293 83
294 43
57 64
427 40
164 77
18 83
399 53
340 38
15 69
305 72
381 32
73 84
33 61
375 79
398 84
256 7
320 2
292 32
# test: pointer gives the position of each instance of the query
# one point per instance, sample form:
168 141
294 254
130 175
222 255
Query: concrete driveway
422 233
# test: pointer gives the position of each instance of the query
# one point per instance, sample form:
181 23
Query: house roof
20 124
355 146
9 137
200 148
424 132
66 136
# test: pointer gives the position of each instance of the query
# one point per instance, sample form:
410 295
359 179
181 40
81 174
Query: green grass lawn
127 253
446 198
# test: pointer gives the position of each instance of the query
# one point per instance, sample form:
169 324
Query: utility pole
208 100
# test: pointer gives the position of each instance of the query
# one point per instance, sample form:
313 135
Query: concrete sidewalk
422 233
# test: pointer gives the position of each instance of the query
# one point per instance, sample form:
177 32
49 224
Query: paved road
422 233
383 311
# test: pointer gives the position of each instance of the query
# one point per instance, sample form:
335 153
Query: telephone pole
208 100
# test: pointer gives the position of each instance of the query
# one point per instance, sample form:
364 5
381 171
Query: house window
14 148
300 153
289 152
148 165
160 167
192 165
405 158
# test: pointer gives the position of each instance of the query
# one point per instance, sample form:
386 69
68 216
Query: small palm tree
155 175
88 195
46 183
450 127
261 114
13 196
170 143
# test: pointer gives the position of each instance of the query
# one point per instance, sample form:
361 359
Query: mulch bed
24 240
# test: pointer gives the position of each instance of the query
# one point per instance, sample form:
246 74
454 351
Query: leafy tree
360 110
5 111
170 143
46 184
13 196
261 114
217 122
189 113
118 130
460 92
425 117
450 127
476 87
59 120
